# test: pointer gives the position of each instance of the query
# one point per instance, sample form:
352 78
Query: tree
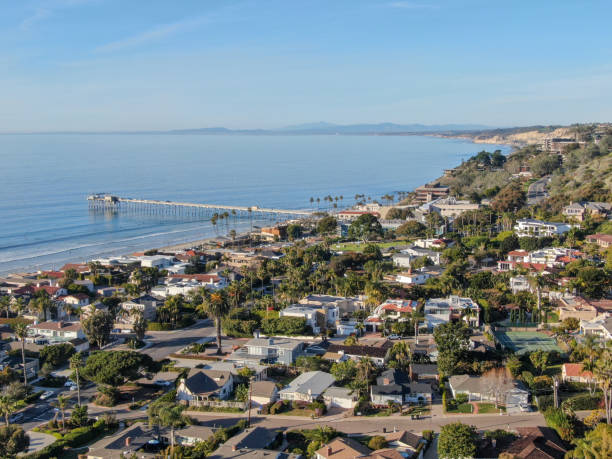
242 392
327 225
41 303
167 415
377 442
365 227
76 361
452 340
8 405
216 305
510 198
13 440
115 367
62 404
603 373
98 327
5 304
57 354
21 332
294 231
596 444
344 371
457 441
411 228
79 416
140 326
539 360
515 365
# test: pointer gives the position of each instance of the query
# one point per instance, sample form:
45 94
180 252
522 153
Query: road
164 343
537 191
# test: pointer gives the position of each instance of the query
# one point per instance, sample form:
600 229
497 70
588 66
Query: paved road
537 191
165 343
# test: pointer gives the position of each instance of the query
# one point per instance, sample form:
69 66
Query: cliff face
522 138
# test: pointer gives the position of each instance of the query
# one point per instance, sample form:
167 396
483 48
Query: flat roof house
269 350
528 227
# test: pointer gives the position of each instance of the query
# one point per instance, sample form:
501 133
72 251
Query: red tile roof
53 274
78 267
576 370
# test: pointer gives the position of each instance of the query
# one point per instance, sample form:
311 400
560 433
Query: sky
160 64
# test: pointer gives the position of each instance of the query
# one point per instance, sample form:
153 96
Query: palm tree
75 363
5 304
167 415
603 373
365 367
62 404
21 332
42 303
401 351
216 305
8 406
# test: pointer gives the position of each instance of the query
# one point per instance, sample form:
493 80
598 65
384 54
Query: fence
218 404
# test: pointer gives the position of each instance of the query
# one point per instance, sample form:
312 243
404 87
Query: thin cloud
155 34
45 9
412 6
39 15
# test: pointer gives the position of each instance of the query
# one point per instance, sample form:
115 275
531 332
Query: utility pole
249 406
556 391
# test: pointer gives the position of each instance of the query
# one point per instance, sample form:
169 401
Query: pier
111 203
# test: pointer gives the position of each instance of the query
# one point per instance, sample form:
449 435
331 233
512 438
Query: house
394 309
146 305
425 350
317 318
202 385
378 353
263 392
123 444
340 397
253 438
107 292
156 261
602 240
600 326
519 284
32 365
57 332
79 344
190 435
346 327
344 305
308 386
429 192
424 372
575 372
451 207
498 388
575 307
434 243
210 281
412 278
528 227
579 210
75 299
404 441
342 448
352 215
395 386
535 443
407 255
443 310
269 350
87 283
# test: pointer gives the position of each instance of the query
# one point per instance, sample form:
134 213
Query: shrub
461 398
584 402
561 422
377 442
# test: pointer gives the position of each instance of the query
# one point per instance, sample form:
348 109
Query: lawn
298 412
488 408
464 408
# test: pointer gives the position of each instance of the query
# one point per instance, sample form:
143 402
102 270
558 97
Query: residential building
75 299
340 397
600 326
519 284
146 305
536 228
404 442
203 385
344 304
443 310
347 327
502 389
56 332
316 317
424 372
411 253
269 350
156 261
450 207
415 277
395 386
575 307
352 215
602 240
307 387
534 443
426 193
434 243
378 353
123 444
395 309
263 392
575 372
343 448
579 210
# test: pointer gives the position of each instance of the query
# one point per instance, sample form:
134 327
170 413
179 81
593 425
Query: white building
156 261
600 326
57 332
307 387
537 228
443 310
412 277
316 317
519 284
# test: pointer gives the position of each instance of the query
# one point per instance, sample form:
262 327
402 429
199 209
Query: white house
489 388
340 397
412 277
263 392
307 387
87 283
600 326
536 228
146 305
156 261
519 284
75 299
442 310
57 331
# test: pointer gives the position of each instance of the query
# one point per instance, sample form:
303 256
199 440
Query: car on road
47 394
69 383
16 418
394 336
525 408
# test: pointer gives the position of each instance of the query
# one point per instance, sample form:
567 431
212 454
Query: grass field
522 342
356 247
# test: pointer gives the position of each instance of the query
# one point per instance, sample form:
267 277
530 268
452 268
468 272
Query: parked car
47 394
394 336
16 418
75 387
69 383
525 407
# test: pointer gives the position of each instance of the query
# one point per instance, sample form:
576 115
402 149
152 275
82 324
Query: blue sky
161 64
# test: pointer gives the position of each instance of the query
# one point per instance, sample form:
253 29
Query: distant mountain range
330 128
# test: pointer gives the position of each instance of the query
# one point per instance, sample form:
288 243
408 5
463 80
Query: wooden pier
111 203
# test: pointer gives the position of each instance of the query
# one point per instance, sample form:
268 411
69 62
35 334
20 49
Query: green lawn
488 408
297 412
464 408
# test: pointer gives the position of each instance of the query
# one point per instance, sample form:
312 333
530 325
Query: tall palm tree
217 306
21 332
5 304
401 351
62 404
75 363
365 367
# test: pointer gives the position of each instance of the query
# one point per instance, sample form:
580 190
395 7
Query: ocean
45 220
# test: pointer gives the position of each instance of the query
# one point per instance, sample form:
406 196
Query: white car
47 394
394 336
75 387
69 383
525 407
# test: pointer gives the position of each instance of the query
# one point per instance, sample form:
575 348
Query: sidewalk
38 441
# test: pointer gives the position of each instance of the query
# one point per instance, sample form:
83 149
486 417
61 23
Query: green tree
76 362
140 326
515 365
377 442
8 405
13 440
457 441
98 327
327 225
509 199
294 231
79 416
452 340
365 227
115 367
242 392
61 405
344 372
539 359
411 228
167 415
596 444
57 354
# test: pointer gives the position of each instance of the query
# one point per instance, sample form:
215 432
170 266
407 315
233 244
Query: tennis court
522 341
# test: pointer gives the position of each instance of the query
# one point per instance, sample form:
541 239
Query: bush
461 398
57 354
377 442
561 422
584 402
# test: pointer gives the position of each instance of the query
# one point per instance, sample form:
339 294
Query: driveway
537 191
38 441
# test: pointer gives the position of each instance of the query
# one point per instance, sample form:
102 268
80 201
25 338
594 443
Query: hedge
75 438
584 401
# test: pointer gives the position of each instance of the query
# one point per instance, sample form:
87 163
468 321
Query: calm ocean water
46 179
